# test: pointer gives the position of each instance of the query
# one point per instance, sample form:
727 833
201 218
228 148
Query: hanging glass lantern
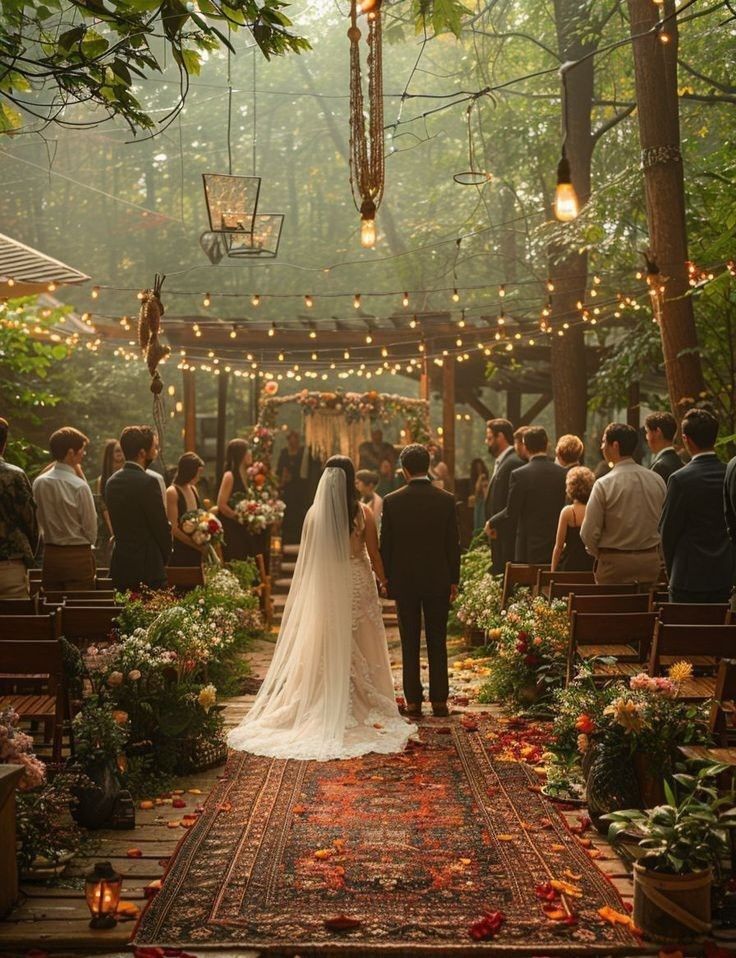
261 241
102 887
231 201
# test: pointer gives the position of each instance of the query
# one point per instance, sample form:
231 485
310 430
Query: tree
85 51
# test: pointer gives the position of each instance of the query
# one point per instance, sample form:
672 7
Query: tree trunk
569 275
655 66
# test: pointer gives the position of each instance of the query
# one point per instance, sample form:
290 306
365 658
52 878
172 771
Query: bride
329 692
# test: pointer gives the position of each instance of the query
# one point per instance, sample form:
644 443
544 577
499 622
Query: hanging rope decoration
149 327
367 158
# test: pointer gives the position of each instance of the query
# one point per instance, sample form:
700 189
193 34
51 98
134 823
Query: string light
233 333
308 301
566 199
95 292
207 301
272 330
455 296
368 224
356 301
255 299
405 300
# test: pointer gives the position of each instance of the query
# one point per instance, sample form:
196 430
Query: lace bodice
357 538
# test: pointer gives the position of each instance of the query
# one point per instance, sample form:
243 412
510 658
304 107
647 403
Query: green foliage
88 52
687 834
27 356
44 829
98 735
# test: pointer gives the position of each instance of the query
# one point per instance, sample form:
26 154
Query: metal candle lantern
102 887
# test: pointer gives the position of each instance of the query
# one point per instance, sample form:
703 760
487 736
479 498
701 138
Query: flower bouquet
260 507
204 529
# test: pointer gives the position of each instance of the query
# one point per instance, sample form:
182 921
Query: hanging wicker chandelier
367 160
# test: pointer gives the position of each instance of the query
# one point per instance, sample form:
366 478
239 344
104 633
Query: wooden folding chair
693 613
264 590
608 604
89 625
720 720
184 578
701 645
104 584
561 590
102 573
19 606
20 658
44 627
625 637
519 573
545 576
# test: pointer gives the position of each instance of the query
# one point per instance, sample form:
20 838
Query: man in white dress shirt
67 517
622 516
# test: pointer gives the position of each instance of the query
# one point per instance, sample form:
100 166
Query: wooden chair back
82 595
608 604
104 584
561 590
625 628
184 578
19 606
694 613
31 628
520 573
723 708
88 625
20 657
545 576
102 573
683 641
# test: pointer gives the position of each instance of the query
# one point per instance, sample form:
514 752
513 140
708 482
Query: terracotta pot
672 908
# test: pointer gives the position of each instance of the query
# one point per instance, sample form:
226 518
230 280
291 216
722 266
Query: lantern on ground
102 887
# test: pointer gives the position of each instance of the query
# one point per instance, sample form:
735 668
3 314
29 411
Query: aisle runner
416 846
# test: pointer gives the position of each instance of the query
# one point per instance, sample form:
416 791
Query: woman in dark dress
240 542
181 497
569 553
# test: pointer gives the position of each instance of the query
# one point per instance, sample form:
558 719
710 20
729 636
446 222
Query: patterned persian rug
416 847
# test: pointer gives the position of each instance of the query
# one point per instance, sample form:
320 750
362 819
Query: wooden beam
448 416
190 410
477 405
424 379
222 385
534 410
513 406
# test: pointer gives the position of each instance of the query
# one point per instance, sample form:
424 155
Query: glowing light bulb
308 301
272 330
405 300
95 292
566 199
255 299
368 224
233 333
356 301
455 296
206 301
312 333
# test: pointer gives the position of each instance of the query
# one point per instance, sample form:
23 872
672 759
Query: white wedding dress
328 692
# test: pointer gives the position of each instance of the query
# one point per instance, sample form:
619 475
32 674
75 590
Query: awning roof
24 271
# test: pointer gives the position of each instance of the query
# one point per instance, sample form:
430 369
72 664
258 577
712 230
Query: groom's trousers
409 609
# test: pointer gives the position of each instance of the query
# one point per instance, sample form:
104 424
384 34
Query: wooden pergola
25 271
428 339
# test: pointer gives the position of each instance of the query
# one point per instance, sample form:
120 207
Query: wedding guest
519 447
536 496
293 487
696 545
660 429
18 527
621 519
501 445
387 479
569 451
569 554
142 544
371 453
112 460
366 482
240 542
182 497
67 517
438 471
478 483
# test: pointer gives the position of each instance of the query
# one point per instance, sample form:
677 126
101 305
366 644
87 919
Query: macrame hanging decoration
367 160
149 327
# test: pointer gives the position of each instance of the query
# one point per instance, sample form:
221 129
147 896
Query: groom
420 548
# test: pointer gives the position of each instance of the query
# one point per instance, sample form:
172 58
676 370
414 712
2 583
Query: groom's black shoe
440 709
413 709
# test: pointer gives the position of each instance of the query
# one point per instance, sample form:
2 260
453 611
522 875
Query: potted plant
99 735
682 842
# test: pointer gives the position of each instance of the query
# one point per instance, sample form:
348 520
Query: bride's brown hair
342 462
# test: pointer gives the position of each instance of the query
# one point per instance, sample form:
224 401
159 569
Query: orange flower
585 724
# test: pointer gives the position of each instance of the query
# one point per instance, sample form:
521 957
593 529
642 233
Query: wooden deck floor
55 918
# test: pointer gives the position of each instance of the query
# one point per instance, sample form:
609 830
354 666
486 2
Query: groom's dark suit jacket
420 543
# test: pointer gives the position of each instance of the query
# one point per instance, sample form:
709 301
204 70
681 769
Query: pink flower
640 682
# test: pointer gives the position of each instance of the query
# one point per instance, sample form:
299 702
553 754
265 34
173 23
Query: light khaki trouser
641 567
13 579
68 567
